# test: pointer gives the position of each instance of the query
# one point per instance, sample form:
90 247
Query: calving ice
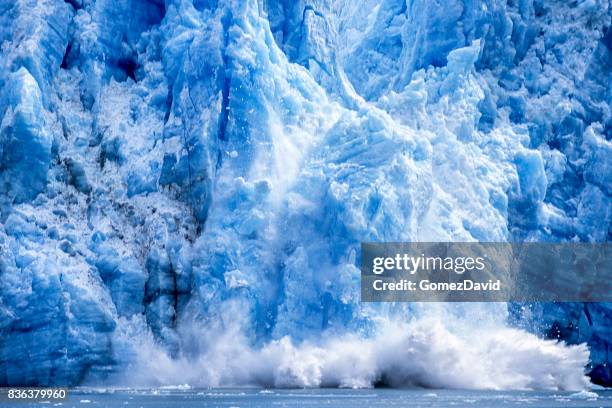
185 186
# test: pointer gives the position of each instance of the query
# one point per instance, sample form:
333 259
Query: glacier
185 184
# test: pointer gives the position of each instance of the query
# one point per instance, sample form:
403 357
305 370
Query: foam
423 353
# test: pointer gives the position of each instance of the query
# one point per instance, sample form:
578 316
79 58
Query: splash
421 354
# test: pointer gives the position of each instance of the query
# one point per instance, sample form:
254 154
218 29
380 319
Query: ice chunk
25 142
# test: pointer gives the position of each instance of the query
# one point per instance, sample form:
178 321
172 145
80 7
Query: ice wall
184 181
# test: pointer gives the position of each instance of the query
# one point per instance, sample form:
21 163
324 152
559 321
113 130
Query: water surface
335 398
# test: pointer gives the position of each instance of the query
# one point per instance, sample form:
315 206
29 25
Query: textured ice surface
184 186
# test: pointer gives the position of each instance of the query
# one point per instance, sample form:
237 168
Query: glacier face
185 185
